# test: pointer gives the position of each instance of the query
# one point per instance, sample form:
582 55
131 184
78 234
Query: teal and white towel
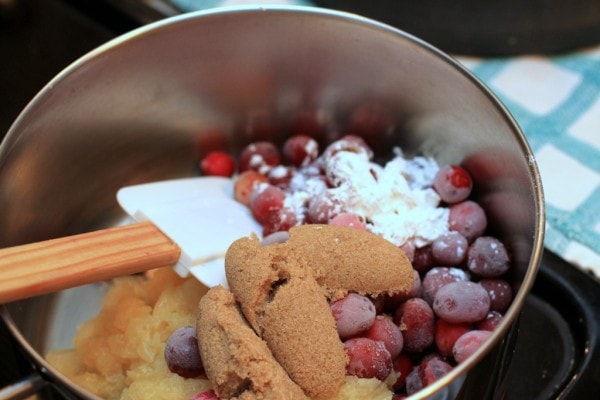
556 101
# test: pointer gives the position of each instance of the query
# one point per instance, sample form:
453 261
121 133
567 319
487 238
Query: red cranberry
218 163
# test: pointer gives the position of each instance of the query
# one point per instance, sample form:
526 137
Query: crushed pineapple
119 354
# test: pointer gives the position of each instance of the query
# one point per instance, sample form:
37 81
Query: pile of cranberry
459 295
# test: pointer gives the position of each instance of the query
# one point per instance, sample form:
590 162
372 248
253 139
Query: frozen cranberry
281 176
259 156
275 237
385 331
425 374
323 208
352 144
417 324
206 395
260 125
468 219
367 358
283 220
487 257
468 344
453 183
437 277
310 122
371 120
353 315
461 301
409 248
182 354
413 382
217 163
266 201
211 139
379 303
500 293
402 365
423 259
349 220
245 184
447 333
490 322
300 150
357 140
449 248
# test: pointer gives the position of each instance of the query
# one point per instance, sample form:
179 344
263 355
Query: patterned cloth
556 101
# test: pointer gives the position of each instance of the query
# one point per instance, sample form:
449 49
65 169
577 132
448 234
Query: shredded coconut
396 200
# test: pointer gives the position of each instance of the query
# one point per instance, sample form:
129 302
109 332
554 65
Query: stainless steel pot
143 106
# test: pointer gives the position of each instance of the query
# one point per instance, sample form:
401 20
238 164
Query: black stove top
556 344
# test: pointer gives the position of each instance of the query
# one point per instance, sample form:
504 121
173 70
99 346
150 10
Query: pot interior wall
144 107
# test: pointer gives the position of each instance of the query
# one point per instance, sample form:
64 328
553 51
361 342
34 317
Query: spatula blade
199 214
135 197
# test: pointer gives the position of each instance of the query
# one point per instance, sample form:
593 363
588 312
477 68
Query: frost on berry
437 277
350 144
367 358
487 257
417 323
260 157
461 301
490 322
353 315
387 332
280 221
281 176
453 183
468 344
468 219
500 293
324 207
245 184
266 202
449 249
300 150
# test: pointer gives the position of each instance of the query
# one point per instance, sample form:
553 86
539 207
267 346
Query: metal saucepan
141 107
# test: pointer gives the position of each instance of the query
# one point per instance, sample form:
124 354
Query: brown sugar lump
289 310
237 362
349 260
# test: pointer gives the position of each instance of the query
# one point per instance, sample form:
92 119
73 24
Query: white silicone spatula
187 223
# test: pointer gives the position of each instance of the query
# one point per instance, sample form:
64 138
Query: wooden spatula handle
44 267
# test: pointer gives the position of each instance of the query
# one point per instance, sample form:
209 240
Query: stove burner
552 359
559 336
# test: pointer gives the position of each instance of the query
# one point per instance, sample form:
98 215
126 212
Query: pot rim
137 34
